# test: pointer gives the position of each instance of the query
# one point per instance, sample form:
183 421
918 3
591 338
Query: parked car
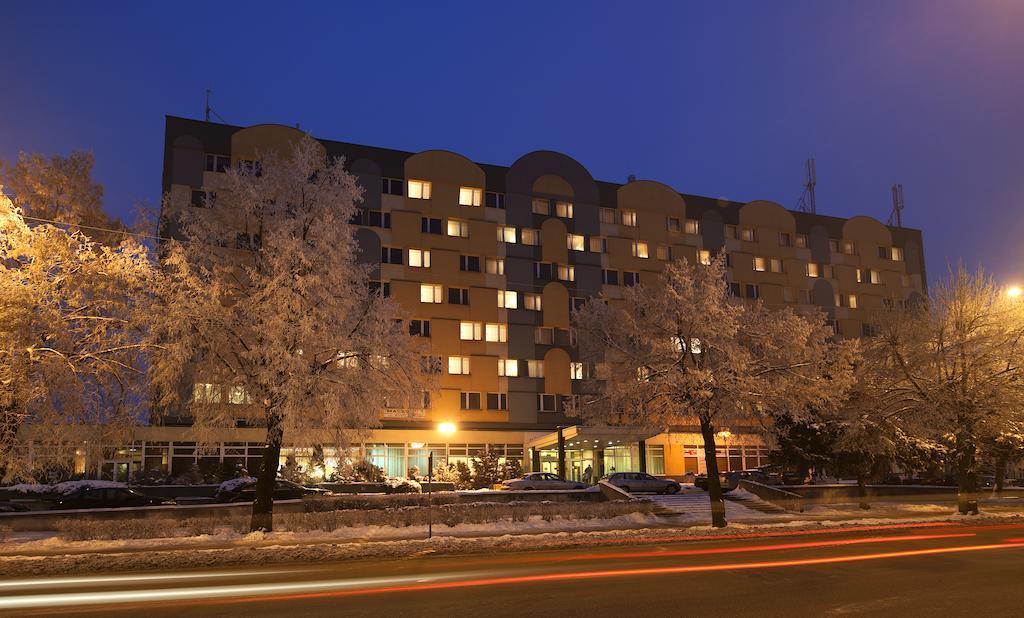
757 476
728 483
7 506
283 490
641 482
541 480
104 498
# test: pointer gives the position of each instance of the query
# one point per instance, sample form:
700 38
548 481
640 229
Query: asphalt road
905 570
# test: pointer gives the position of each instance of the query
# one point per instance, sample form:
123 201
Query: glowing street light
1014 291
446 428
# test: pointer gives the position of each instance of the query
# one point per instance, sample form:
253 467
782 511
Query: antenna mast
209 110
896 217
807 202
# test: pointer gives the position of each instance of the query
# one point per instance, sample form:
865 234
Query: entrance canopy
578 437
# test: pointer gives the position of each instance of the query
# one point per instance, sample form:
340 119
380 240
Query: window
458 296
508 299
629 218
664 252
868 330
563 210
788 296
760 264
546 403
800 241
390 255
851 301
598 245
849 248
392 186
431 293
218 163
748 234
544 335
576 242
640 250
247 242
876 277
730 231
775 265
673 224
531 302
494 266
610 277
630 278
494 200
704 257
535 368
897 254
833 245
753 291
206 393
470 401
543 270
458 365
419 189
692 226
728 260
419 258
469 263
497 401
496 333
380 288
508 368
868 276
430 226
607 215
566 273
468 196
575 302
575 371
541 207
506 233
785 239
458 227
471 331
529 236
419 328
734 290
432 364
203 199
813 270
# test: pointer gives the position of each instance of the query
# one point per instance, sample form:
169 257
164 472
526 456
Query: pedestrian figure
587 475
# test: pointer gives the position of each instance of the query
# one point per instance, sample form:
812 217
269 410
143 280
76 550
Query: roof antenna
210 110
807 202
896 216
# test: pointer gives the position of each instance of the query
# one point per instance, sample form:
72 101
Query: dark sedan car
727 481
283 490
104 498
641 482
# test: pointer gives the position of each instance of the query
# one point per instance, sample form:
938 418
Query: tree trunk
966 478
862 490
714 484
263 505
1000 472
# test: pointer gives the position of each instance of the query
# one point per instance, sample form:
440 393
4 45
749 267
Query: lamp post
725 434
446 428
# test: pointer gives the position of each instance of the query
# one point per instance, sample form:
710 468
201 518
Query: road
907 570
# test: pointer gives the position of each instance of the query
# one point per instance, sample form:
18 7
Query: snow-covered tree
268 312
682 348
954 369
72 337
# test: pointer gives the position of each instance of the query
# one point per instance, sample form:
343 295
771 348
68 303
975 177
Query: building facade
490 260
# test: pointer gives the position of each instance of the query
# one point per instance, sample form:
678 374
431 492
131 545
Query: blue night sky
713 99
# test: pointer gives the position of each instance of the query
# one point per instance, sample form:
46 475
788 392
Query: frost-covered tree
268 312
954 369
682 348
72 337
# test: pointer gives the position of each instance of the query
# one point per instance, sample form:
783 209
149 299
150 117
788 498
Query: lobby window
496 333
576 371
218 163
508 299
704 257
800 241
607 215
629 218
390 255
563 210
535 368
494 266
458 296
673 224
576 242
544 335
531 302
640 250
419 328
203 199
630 278
541 206
775 265
610 277
419 258
497 401
470 401
785 239
494 200
530 236
392 186
692 226
471 331
431 293
546 402
419 189
469 263
566 273
760 264
506 233
458 227
458 365
468 196
429 225
598 244
813 270
508 368
664 252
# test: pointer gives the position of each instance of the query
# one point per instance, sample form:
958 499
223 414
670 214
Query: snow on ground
67 487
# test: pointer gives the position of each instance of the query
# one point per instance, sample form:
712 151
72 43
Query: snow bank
67 487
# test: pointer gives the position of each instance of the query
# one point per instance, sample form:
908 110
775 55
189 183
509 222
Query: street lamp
447 428
725 434
1014 291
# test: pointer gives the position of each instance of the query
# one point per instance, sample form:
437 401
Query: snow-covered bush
235 484
402 486
366 471
192 476
67 487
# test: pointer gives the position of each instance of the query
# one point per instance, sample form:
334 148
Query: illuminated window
607 215
704 257
541 207
458 365
664 252
852 301
759 264
692 226
673 224
875 276
508 299
506 233
531 302
640 250
535 368
458 227
508 368
563 210
205 393
813 270
431 293
800 241
419 189
495 266
566 273
897 254
849 248
529 236
576 242
575 371
468 196
598 245
471 331
496 333
419 258
629 218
